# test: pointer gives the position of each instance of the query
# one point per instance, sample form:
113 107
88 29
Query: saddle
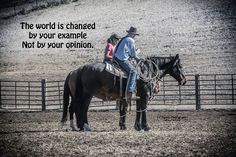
115 69
143 70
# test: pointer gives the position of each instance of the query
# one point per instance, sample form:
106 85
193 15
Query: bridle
154 77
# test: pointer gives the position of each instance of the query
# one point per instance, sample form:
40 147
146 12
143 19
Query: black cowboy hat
132 30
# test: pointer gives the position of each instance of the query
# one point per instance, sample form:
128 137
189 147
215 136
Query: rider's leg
131 70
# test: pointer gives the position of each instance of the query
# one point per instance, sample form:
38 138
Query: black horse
93 80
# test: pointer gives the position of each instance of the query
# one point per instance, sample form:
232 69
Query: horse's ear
177 57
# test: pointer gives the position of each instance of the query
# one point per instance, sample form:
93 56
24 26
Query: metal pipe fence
200 91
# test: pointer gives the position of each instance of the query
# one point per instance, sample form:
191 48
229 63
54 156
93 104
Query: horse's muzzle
156 88
183 80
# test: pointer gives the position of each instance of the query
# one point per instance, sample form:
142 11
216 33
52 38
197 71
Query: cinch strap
121 85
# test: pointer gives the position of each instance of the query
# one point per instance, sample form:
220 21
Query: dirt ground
174 133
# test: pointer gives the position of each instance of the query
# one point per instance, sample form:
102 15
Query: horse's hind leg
86 124
77 110
72 111
123 110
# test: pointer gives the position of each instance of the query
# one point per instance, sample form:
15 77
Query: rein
153 81
155 76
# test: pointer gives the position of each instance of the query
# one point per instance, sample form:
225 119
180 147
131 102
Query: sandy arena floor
174 133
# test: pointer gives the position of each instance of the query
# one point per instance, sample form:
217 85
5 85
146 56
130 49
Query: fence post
43 82
15 96
164 93
215 89
197 92
0 95
232 79
59 93
29 94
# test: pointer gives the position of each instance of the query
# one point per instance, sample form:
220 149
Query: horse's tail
66 98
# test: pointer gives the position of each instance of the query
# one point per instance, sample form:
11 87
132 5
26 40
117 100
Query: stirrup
133 97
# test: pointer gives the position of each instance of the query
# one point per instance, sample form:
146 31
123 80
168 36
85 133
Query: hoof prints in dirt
180 133
174 118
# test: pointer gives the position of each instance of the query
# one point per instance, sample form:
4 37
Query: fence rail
199 92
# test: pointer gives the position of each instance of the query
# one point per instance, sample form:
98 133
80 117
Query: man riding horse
124 53
94 80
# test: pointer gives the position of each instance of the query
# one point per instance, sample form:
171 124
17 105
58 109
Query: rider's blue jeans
131 70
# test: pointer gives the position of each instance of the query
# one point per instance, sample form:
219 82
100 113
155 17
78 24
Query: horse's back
96 67
92 71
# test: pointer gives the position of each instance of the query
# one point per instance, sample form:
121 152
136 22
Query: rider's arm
133 52
108 51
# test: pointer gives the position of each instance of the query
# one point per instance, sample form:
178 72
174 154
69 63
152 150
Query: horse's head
153 67
176 70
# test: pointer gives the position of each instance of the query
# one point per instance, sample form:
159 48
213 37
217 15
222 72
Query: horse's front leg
144 124
78 115
137 124
123 110
85 101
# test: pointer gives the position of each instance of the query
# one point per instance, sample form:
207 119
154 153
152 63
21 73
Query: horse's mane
161 62
154 57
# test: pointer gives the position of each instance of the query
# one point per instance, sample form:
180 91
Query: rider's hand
138 50
133 61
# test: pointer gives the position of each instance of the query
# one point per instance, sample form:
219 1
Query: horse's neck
163 64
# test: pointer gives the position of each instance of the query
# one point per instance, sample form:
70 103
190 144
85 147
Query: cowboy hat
132 30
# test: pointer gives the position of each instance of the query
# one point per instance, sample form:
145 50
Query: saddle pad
115 70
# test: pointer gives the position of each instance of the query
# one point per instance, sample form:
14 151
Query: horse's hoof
81 130
74 129
137 127
146 128
123 128
87 128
